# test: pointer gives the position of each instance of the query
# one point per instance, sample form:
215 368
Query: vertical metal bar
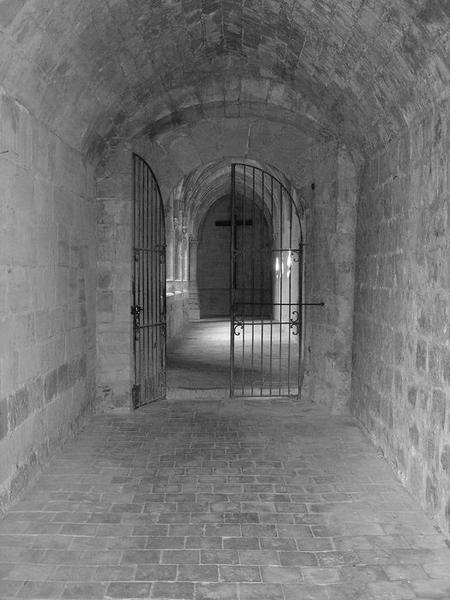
244 292
262 259
252 267
163 292
273 284
134 271
155 287
280 349
232 271
141 277
290 298
144 246
300 311
144 280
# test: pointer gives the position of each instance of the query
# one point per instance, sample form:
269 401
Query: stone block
18 407
438 409
50 385
105 301
421 356
3 418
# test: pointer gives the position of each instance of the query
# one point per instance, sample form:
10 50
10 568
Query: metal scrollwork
238 325
294 322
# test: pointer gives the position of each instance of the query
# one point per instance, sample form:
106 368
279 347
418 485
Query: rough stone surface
98 70
211 500
401 351
47 316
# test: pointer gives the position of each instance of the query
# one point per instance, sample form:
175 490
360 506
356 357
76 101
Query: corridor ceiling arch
93 71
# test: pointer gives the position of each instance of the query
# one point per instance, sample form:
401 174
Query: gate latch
136 312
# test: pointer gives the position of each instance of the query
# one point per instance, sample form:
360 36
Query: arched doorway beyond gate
249 272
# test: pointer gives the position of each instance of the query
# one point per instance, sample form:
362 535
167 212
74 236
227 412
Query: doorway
249 271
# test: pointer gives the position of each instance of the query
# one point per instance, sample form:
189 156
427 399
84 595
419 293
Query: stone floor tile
126 543
203 543
216 591
392 590
116 573
260 591
259 557
241 543
154 573
321 576
164 543
84 591
306 544
437 570
274 543
409 572
74 573
204 573
306 592
9 588
28 572
438 589
170 557
298 559
38 590
140 556
335 558
239 573
172 591
86 542
362 574
125 590
224 557
271 574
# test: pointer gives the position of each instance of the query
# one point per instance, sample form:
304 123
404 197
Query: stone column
194 304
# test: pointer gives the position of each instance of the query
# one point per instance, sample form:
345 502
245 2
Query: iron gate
266 286
149 287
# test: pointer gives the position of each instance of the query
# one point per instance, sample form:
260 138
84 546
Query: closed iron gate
149 287
266 286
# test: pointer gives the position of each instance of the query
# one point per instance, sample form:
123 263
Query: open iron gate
266 286
149 287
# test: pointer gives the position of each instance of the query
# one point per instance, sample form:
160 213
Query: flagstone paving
198 500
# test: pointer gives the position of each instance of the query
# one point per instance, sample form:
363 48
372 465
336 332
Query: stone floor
221 500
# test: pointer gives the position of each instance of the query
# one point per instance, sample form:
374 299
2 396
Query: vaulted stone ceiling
92 70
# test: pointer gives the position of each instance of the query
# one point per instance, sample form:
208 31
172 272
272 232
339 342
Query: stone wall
329 278
47 315
114 263
401 352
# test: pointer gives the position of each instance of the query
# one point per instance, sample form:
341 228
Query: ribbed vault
96 70
199 190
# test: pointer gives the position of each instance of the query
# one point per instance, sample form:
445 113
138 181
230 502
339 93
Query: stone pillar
194 305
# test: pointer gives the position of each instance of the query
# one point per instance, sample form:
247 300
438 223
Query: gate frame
151 191
299 321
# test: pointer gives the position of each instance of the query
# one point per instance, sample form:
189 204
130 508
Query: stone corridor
221 500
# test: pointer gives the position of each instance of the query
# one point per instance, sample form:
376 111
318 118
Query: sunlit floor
265 358
200 358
